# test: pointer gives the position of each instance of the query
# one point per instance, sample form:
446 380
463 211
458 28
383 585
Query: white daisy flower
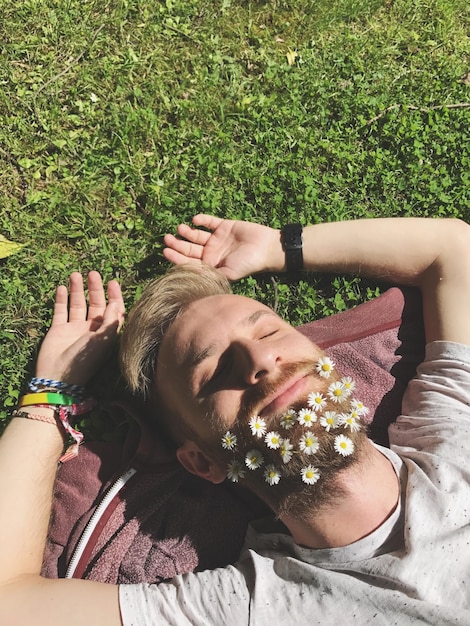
348 420
257 426
235 471
359 407
349 384
254 459
316 401
272 475
286 450
306 417
325 366
310 474
354 413
309 443
229 441
336 392
329 420
93 97
273 440
288 419
343 445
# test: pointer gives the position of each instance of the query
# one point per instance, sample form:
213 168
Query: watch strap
291 236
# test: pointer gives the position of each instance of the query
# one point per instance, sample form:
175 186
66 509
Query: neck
371 495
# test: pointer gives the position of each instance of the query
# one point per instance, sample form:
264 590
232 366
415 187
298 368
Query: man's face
228 357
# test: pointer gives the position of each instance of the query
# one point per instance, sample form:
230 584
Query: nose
255 359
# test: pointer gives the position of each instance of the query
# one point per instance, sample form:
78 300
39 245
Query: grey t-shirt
414 569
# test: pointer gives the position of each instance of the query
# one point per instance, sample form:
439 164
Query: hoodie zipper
94 520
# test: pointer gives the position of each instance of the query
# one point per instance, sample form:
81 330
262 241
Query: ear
195 461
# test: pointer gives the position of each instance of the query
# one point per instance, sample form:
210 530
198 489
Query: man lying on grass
358 532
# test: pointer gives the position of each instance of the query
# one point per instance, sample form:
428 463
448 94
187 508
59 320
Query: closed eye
221 371
269 334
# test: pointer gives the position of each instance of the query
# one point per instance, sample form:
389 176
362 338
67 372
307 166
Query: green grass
120 120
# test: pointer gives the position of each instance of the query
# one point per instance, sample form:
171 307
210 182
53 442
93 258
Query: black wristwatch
292 244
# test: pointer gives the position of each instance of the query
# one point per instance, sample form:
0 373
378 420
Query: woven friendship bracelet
49 419
60 420
62 414
37 384
76 435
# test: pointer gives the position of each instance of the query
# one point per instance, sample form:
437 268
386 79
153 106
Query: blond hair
162 301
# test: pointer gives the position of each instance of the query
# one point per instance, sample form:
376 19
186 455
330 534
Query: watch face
292 236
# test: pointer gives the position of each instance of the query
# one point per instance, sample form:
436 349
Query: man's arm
77 341
431 254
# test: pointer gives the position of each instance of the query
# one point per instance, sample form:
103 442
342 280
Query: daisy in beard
235 471
288 419
354 413
329 420
310 474
359 407
309 443
257 426
254 459
350 421
349 384
324 366
336 392
229 441
316 401
285 450
344 445
273 440
272 475
306 417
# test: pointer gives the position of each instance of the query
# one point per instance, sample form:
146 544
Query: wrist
46 411
275 258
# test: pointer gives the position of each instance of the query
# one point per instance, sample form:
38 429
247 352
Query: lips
287 395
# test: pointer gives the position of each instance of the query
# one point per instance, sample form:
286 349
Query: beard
291 496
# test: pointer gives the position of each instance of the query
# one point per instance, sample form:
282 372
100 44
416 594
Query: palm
236 248
80 336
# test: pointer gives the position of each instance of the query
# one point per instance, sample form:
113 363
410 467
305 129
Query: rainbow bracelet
57 399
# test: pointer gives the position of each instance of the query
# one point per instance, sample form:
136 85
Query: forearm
29 452
397 250
431 254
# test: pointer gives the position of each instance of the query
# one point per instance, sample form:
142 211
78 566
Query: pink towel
166 521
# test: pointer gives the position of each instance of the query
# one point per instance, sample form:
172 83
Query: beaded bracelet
37 384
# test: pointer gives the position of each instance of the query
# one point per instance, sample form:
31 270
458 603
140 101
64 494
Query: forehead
209 321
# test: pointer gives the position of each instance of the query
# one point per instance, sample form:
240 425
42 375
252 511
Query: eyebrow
196 358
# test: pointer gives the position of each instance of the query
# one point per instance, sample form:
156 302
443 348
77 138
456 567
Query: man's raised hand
81 334
236 248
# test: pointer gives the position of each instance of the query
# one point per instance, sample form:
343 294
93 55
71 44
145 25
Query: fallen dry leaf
291 56
7 248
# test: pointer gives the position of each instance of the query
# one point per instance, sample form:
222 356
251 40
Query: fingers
96 296
116 302
186 249
194 239
61 312
195 235
177 258
76 309
77 300
208 221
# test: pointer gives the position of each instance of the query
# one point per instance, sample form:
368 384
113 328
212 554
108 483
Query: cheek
222 410
174 397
